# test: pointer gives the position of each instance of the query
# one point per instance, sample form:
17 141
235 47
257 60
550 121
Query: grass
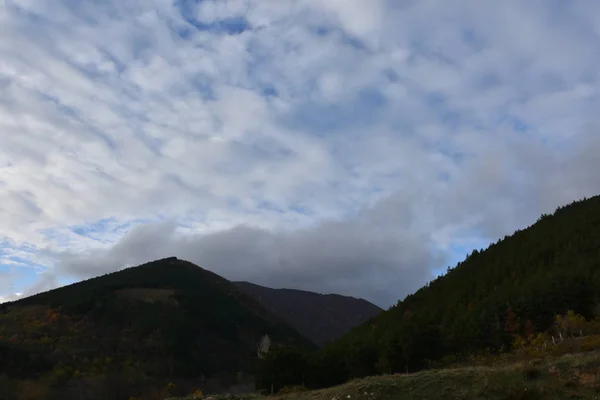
575 376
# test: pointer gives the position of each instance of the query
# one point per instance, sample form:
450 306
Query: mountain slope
513 288
321 318
493 298
168 319
572 376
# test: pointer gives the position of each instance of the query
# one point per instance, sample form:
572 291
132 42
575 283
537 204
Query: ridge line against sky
336 146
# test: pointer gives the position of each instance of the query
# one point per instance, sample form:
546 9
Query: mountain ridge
319 317
165 320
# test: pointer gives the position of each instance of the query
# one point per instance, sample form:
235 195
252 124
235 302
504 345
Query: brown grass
574 376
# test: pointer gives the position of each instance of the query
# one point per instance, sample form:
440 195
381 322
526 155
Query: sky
340 146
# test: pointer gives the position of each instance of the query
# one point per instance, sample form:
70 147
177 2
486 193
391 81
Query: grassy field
574 376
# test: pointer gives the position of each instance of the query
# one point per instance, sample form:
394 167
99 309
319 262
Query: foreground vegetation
573 376
571 333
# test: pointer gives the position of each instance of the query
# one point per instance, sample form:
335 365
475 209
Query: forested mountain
165 321
171 321
321 318
513 288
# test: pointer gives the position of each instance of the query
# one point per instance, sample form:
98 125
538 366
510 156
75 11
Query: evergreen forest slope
507 292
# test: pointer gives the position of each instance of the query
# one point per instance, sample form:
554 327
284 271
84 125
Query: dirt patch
587 378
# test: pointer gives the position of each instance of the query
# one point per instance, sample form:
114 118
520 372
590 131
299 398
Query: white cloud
371 123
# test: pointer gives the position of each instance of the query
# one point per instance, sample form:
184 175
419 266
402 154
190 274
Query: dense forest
160 323
513 289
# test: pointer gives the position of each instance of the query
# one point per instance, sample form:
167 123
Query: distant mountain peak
320 317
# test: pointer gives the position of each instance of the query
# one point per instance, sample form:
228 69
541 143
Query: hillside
568 377
496 296
165 321
573 376
321 318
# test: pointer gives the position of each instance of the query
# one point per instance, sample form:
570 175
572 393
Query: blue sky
334 145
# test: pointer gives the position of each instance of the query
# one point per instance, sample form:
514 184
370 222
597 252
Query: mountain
321 318
164 321
517 284
486 303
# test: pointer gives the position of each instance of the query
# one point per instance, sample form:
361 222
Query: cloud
5 282
381 251
335 145
349 256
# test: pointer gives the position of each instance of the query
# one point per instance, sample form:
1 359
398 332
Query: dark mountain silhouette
321 318
162 321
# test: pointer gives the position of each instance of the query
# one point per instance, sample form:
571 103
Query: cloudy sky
348 146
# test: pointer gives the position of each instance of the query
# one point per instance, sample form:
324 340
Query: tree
281 366
570 323
511 324
361 359
390 355
529 330
326 367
